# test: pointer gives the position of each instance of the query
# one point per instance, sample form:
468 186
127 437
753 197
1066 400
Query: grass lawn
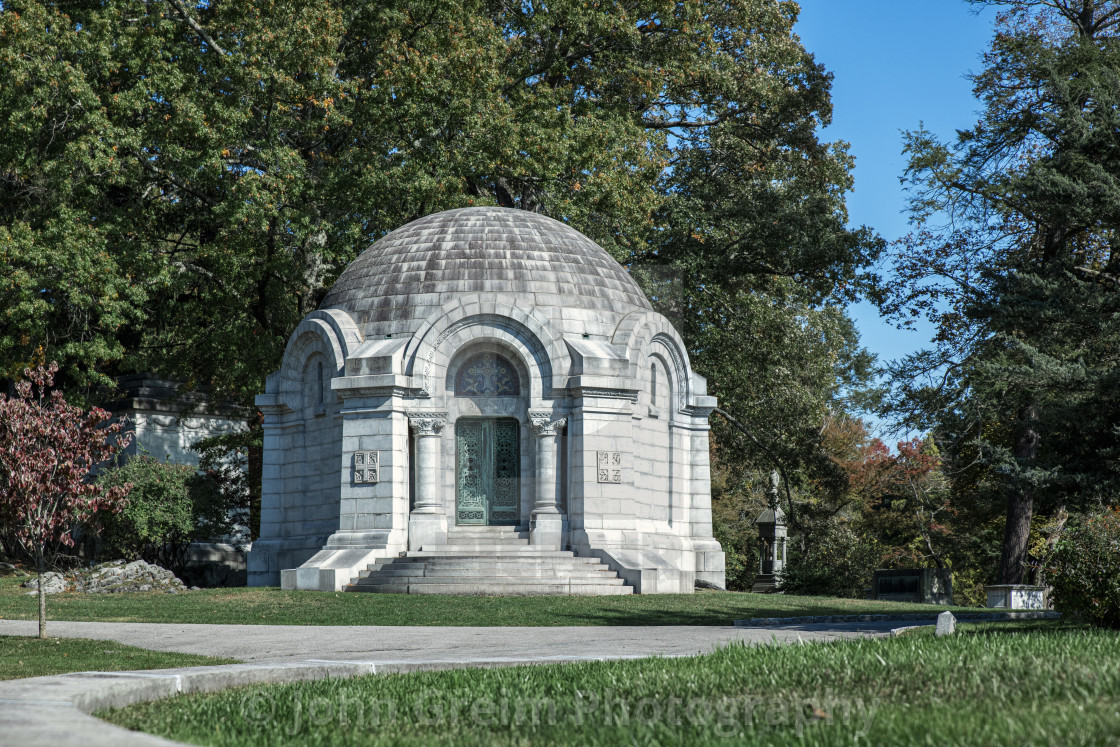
32 657
270 606
1014 684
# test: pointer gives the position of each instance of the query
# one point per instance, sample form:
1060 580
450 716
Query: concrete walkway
54 710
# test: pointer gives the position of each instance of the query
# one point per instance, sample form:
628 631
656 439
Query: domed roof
408 274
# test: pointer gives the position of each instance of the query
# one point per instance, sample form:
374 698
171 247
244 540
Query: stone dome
408 274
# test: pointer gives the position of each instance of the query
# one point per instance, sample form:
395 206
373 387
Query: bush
839 563
157 523
1084 569
739 567
170 506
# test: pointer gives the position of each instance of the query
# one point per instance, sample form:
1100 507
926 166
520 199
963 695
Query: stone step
496 564
527 551
487 531
479 545
487 588
492 562
377 580
480 571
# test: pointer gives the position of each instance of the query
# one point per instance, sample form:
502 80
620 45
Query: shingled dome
405 276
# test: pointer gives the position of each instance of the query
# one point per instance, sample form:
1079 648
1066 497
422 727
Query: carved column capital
427 423
544 424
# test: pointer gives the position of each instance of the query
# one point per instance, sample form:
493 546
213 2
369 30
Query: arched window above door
487 375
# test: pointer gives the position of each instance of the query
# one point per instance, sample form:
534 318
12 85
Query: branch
1098 274
777 462
659 125
178 5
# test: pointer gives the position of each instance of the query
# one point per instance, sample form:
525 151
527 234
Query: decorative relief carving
609 466
427 423
544 424
367 467
487 375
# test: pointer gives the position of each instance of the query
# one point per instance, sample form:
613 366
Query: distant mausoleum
166 421
485 402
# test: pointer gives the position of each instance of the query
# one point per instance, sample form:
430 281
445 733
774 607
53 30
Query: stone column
548 525
427 524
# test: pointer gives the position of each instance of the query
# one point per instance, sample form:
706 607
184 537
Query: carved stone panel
367 467
609 466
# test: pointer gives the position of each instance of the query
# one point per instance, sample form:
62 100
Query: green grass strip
32 657
271 606
989 685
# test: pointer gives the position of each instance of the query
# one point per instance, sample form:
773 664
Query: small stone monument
771 525
1016 597
946 624
914 585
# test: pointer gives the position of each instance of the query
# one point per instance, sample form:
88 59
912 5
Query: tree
1013 258
47 450
212 167
224 162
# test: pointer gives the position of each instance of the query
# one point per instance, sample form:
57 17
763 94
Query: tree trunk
40 565
1020 507
256 474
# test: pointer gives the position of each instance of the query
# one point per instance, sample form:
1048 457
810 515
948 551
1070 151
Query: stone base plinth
1016 597
426 530
548 531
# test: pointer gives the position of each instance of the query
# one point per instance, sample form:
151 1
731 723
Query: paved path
53 711
260 643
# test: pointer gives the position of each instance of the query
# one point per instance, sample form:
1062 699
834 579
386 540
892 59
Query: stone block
1016 597
946 624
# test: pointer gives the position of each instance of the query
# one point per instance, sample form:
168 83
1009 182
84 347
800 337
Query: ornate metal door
488 471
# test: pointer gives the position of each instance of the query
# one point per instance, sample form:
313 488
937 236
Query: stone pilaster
548 524
427 524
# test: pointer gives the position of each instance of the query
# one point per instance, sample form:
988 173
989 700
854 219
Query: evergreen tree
1012 258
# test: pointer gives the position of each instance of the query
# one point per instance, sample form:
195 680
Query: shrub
170 506
739 567
1084 569
158 522
839 563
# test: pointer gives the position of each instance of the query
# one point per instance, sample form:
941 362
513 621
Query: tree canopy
180 182
1013 258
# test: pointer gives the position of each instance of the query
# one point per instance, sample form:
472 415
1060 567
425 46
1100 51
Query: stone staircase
492 561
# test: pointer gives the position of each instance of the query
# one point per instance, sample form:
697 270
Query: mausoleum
485 402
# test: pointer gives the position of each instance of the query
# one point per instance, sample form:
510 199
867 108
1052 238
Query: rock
946 624
114 577
53 583
701 584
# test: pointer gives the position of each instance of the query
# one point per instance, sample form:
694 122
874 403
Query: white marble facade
485 366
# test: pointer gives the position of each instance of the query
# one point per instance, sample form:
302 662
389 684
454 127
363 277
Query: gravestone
946 624
915 585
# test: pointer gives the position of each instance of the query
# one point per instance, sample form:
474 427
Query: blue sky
896 63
